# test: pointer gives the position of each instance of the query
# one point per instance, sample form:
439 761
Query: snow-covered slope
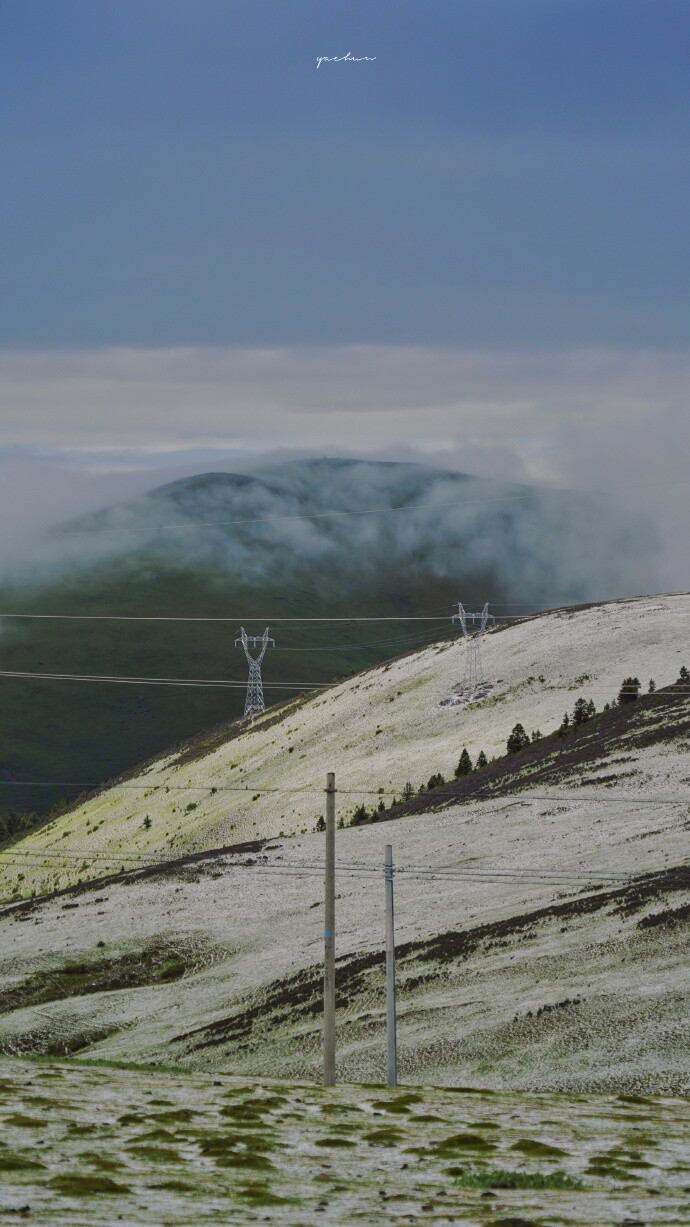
379 729
542 978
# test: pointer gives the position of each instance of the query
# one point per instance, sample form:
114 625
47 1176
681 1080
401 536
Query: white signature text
337 59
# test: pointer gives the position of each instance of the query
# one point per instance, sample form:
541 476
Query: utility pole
329 940
391 1038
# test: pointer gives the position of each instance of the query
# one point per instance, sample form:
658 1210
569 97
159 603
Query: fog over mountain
528 545
234 546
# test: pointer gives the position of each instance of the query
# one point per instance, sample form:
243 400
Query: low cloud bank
79 431
533 547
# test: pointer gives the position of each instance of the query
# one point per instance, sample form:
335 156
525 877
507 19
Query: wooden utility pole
391 1039
329 940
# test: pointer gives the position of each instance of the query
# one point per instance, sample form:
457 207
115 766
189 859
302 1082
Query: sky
468 249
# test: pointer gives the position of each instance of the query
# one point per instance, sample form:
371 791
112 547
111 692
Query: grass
78 1185
499 1178
158 962
115 734
10 1162
293 1164
99 1063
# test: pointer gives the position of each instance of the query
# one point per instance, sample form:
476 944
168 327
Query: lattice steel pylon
254 702
474 674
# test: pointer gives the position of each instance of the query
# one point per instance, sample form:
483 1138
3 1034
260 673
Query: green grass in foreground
99 1063
499 1178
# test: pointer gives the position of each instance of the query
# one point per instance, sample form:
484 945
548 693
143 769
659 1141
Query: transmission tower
254 703
474 675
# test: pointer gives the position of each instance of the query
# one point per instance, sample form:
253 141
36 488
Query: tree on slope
481 761
464 766
629 691
517 740
435 781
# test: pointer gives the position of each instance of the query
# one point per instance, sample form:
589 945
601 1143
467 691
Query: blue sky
505 173
469 251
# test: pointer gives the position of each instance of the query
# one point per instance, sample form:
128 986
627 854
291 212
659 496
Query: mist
84 431
532 547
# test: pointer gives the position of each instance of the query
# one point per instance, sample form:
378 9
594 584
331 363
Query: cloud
589 419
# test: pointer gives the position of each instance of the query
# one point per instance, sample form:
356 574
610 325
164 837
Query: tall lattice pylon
254 703
474 674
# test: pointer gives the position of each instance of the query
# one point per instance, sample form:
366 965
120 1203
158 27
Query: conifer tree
464 766
517 740
360 815
481 761
435 781
629 691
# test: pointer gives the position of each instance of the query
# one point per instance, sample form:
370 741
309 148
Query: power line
535 494
463 871
317 515
254 787
417 637
422 616
224 683
218 683
252 618
520 876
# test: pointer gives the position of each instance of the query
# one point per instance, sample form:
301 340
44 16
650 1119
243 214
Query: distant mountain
238 545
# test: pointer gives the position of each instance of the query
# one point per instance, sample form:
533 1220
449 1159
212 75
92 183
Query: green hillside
267 562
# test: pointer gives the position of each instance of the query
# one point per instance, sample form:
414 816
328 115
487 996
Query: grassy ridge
59 730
